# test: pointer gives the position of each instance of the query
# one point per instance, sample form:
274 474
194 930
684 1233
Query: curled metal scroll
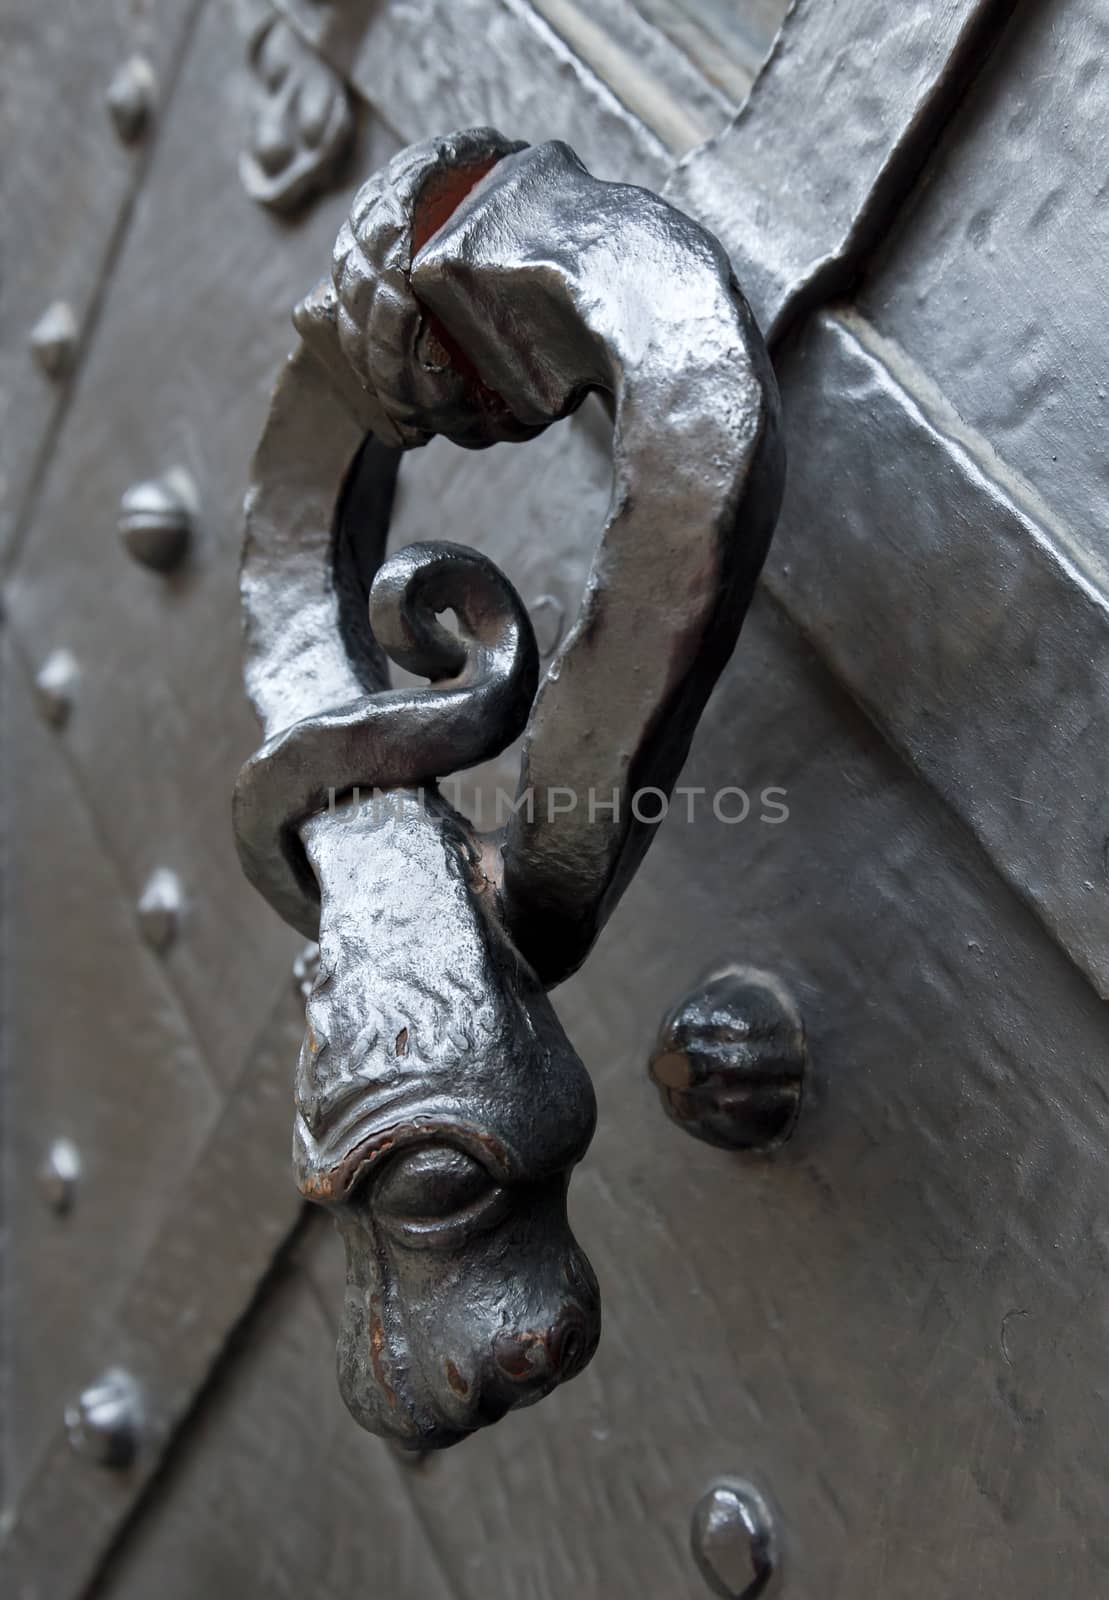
480 290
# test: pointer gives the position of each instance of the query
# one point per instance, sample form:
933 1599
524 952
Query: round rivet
730 1061
733 1543
156 520
306 966
160 907
55 684
105 1424
54 340
59 1174
130 98
547 617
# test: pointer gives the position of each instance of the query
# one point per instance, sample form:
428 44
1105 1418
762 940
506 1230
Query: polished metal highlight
480 289
130 98
54 340
105 1422
730 1061
733 1541
156 520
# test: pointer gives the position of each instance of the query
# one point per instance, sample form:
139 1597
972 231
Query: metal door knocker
480 289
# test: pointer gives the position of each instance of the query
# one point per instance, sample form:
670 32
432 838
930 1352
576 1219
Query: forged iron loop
480 290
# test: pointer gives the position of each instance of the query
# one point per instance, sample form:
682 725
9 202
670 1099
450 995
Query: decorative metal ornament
156 520
733 1542
130 98
54 340
480 289
730 1061
105 1423
302 121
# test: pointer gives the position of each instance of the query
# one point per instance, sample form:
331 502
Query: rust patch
672 1070
441 197
456 1380
378 1347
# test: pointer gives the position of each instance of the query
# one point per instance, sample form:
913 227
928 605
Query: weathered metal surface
819 157
993 284
933 1284
909 1286
729 1062
69 185
272 1490
962 621
444 1045
302 124
99 1055
178 377
660 85
189 1277
428 65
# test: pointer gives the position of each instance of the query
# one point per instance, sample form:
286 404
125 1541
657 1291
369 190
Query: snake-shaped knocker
480 289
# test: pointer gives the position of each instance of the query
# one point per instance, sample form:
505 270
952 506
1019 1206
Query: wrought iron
59 1176
54 340
160 908
55 686
156 520
480 290
105 1423
302 120
730 1061
733 1541
130 98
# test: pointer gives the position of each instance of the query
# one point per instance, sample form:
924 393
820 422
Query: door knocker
480 289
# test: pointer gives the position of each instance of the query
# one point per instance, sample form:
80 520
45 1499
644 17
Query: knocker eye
429 1195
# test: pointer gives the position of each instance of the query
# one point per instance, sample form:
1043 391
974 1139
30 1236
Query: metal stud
156 520
59 1174
160 906
54 340
730 1061
130 98
733 1541
105 1423
55 684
